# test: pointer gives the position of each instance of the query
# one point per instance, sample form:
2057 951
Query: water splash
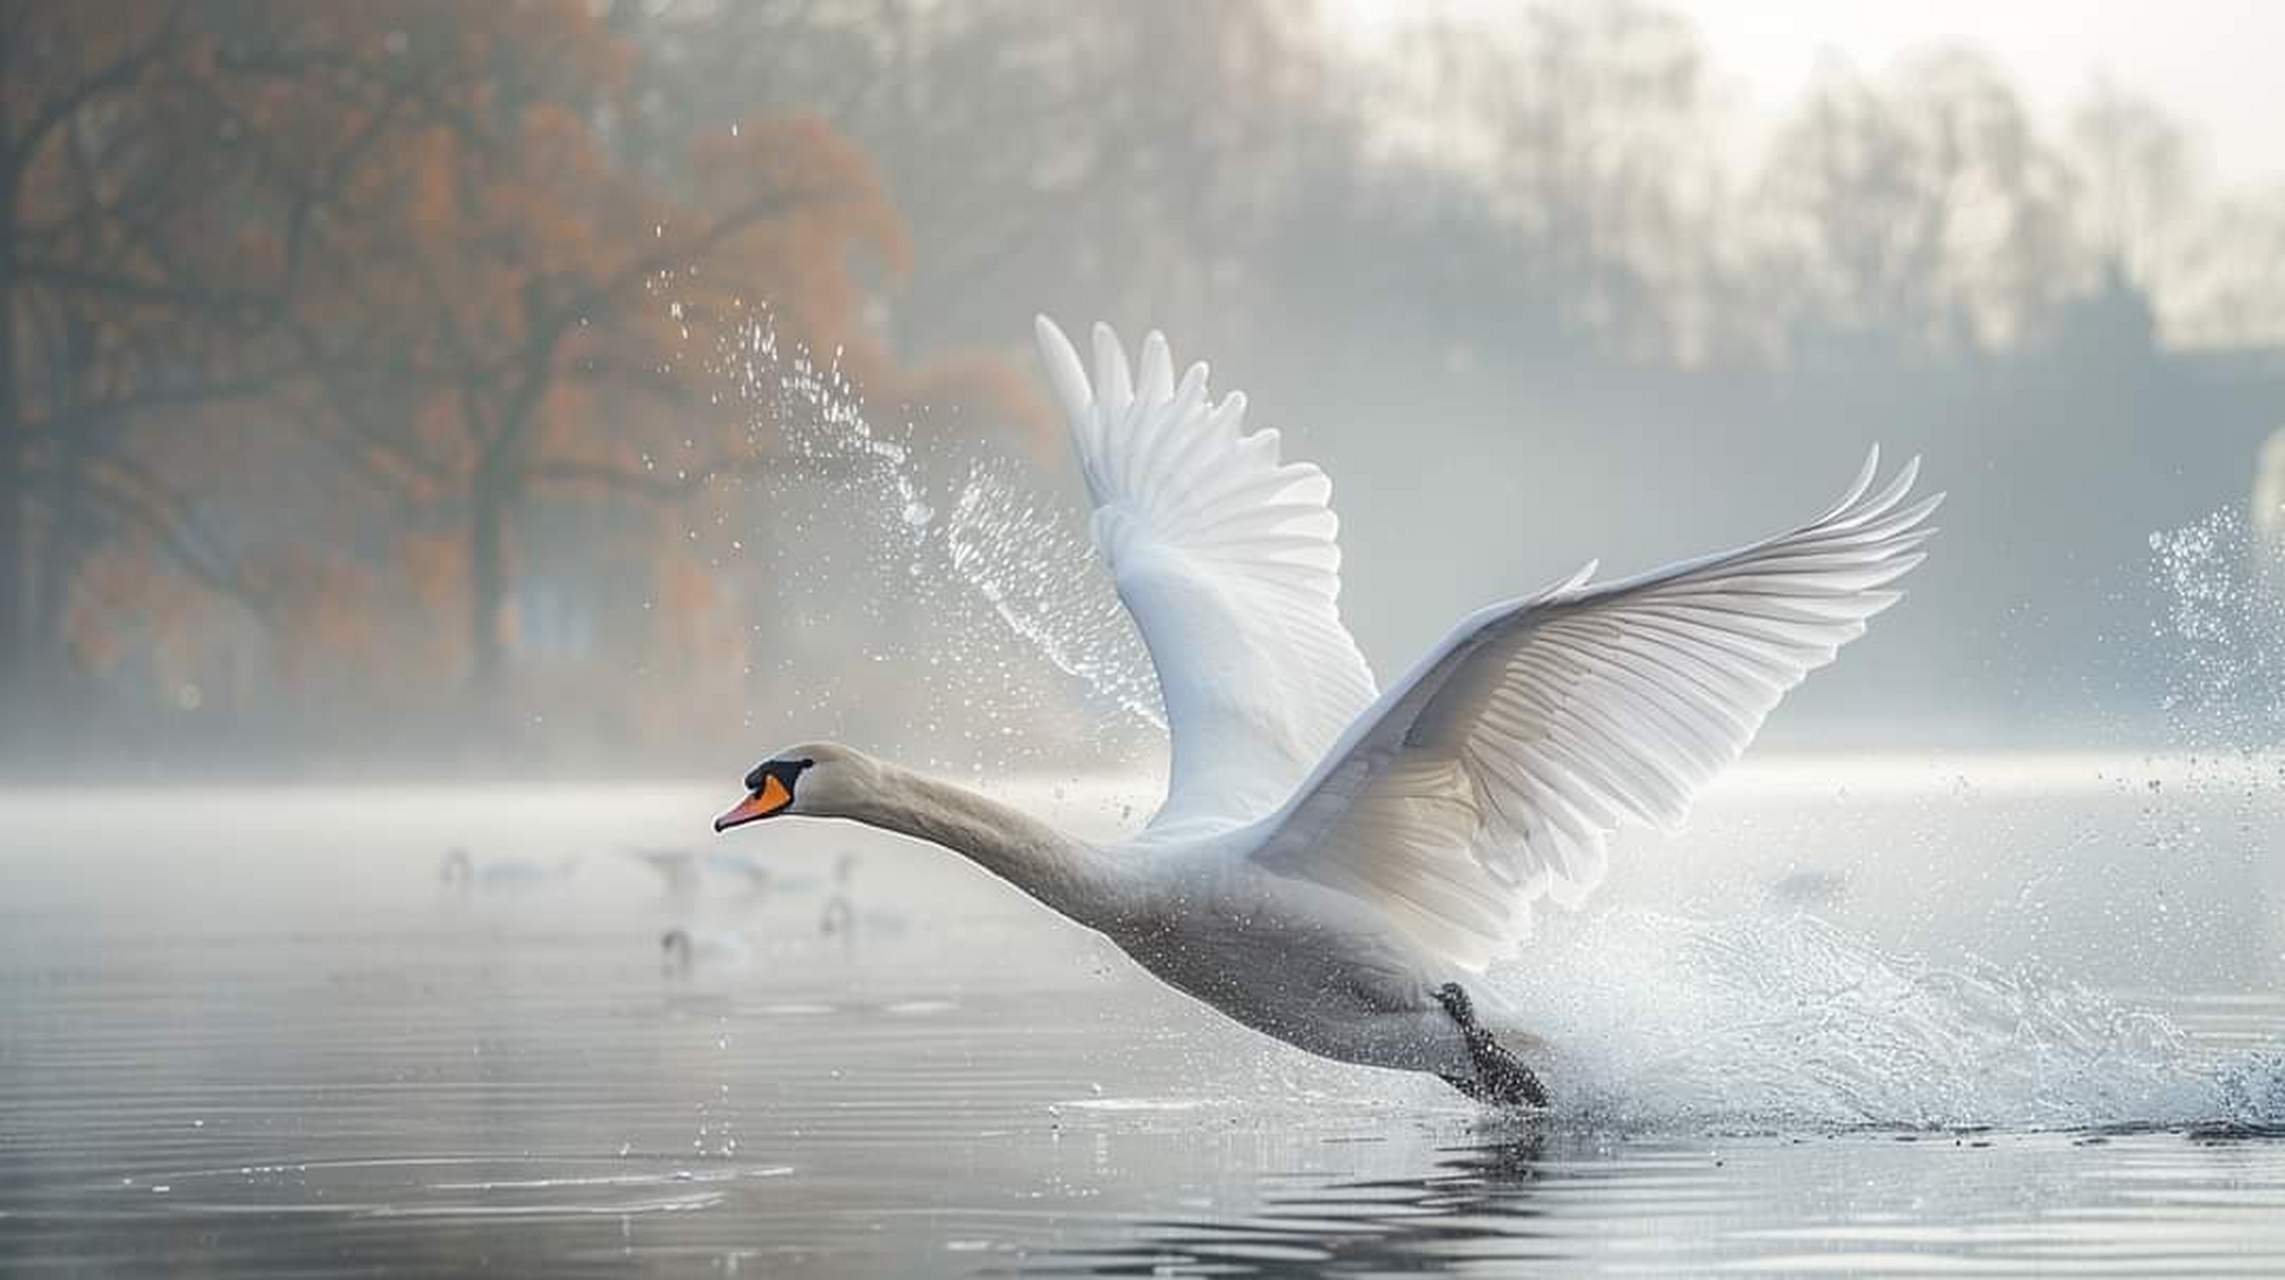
1040 576
1784 1020
2221 634
978 574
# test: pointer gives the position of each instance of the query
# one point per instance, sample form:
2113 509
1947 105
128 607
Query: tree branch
116 76
131 491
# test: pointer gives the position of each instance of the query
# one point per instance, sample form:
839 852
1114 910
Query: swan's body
1331 862
1312 966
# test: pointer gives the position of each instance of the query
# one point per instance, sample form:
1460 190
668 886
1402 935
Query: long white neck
1067 875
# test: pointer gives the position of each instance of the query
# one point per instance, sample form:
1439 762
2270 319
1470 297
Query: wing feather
1227 559
1493 775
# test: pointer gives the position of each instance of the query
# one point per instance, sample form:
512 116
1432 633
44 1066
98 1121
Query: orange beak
767 799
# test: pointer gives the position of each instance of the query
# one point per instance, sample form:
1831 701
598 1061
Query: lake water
1976 1016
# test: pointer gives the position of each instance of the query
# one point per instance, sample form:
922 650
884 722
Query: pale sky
2216 65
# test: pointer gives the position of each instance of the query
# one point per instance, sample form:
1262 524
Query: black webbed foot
1500 1079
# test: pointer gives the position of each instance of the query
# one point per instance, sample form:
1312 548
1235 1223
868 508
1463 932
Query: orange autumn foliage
365 301
504 267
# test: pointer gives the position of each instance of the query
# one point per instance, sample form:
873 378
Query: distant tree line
1162 154
1538 242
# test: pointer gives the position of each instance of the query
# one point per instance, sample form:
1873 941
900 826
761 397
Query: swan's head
819 779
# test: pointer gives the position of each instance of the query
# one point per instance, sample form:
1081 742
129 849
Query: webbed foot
1500 1079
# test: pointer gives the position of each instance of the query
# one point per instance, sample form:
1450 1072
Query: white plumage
1328 862
1490 776
1227 559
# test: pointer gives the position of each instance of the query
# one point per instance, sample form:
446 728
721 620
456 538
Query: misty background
595 387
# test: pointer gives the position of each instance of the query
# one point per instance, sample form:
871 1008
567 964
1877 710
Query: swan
680 871
842 919
744 868
681 950
1334 863
461 871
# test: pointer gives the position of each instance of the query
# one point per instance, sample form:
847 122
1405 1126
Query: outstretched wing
1491 776
1226 558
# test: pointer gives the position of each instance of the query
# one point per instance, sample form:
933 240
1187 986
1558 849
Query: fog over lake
1855 1019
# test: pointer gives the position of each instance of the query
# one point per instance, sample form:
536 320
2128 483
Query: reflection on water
1852 1202
255 1032
1476 1202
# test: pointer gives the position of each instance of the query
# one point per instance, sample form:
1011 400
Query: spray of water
1041 577
2221 634
969 571
1784 1020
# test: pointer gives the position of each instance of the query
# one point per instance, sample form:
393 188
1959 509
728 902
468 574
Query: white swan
682 950
1330 865
461 871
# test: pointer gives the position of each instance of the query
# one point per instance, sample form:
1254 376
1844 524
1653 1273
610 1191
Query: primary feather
1491 776
1226 558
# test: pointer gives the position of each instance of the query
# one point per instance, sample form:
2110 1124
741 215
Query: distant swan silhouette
459 870
679 871
841 918
681 950
1330 863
